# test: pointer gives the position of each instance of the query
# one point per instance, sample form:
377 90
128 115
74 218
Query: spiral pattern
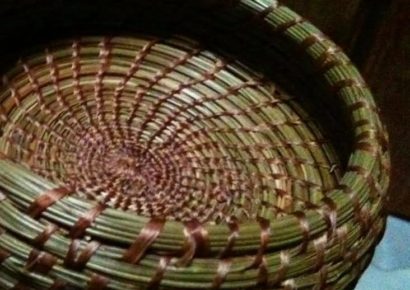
166 166
164 128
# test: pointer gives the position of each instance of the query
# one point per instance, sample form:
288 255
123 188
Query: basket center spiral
163 128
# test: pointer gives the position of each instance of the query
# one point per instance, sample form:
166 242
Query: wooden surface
336 18
376 34
387 70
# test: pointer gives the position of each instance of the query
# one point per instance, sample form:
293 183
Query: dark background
376 35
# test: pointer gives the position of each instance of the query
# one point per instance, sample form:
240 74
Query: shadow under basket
183 145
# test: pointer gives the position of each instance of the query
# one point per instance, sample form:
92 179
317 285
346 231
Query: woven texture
150 162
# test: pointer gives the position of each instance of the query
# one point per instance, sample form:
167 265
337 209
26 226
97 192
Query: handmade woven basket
206 145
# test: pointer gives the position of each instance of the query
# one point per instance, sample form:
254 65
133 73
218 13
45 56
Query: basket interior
228 118
227 28
166 129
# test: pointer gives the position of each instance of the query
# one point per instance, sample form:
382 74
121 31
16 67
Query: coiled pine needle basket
153 161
